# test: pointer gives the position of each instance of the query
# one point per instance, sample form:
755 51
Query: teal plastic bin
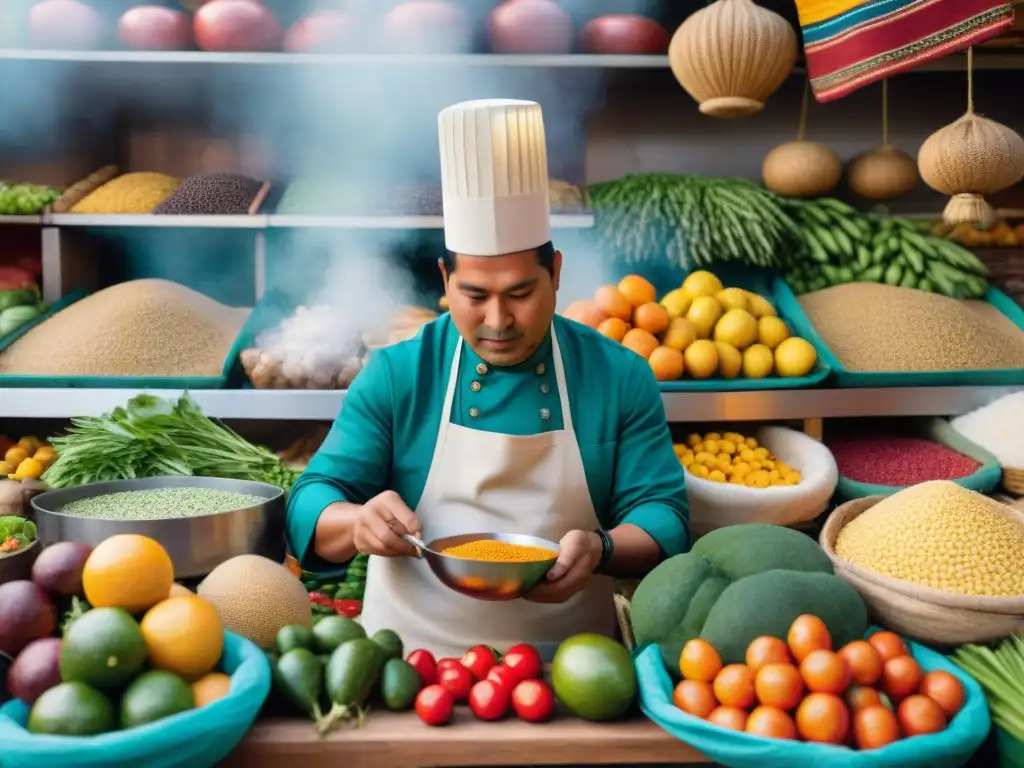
56 307
790 309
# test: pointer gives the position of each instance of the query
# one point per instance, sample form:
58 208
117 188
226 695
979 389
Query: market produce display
865 694
132 193
147 327
872 327
897 460
23 199
699 330
939 535
26 459
733 458
997 427
737 584
205 194
691 221
151 437
842 245
19 306
338 596
999 671
16 533
1000 235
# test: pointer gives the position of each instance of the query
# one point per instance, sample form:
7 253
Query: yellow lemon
701 359
701 283
704 312
737 327
794 357
680 333
676 302
771 331
730 360
733 298
759 306
757 362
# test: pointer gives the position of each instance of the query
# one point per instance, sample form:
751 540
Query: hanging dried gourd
801 168
731 56
883 172
970 158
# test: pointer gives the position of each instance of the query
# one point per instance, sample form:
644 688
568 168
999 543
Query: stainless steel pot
196 545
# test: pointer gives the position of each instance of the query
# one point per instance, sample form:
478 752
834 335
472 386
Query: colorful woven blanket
851 43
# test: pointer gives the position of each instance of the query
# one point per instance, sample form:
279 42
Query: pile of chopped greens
151 437
16 533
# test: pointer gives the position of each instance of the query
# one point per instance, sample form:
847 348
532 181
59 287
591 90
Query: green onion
1000 673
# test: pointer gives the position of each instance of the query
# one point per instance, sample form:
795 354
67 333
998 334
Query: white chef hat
494 177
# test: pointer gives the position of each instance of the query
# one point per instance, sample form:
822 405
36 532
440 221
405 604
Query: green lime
153 696
103 648
72 709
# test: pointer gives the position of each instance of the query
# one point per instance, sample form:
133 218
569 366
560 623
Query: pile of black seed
220 194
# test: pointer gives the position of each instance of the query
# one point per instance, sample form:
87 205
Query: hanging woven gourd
801 168
883 172
731 56
970 158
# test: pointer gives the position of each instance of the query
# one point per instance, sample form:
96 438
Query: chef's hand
380 524
580 555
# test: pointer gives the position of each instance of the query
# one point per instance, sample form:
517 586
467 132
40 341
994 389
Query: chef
500 416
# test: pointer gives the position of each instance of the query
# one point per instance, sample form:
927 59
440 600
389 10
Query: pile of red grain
898 461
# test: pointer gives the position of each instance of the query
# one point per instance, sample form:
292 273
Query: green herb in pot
16 533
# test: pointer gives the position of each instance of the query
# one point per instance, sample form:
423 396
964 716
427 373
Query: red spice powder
898 461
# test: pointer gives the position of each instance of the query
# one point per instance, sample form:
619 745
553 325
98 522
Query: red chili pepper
349 608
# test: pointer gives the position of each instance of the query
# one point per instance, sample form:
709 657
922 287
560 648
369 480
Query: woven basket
17 566
1013 480
930 616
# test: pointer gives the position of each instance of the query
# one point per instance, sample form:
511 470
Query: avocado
103 648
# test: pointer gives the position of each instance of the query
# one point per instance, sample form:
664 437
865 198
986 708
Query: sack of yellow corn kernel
777 476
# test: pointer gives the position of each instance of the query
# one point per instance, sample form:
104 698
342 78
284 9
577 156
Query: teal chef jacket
384 436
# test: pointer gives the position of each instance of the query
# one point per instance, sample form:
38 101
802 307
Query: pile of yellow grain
137 328
130 193
940 535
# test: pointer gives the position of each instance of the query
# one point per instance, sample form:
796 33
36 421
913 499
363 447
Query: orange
918 715
584 311
127 571
825 672
614 328
901 677
771 723
637 290
874 726
694 698
888 644
731 718
651 317
808 633
767 650
859 696
177 590
864 661
667 363
945 690
211 687
640 341
734 686
699 661
779 685
612 303
823 717
183 635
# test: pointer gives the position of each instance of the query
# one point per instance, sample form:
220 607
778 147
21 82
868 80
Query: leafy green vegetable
16 533
152 437
1000 672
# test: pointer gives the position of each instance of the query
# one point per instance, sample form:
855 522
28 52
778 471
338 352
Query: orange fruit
772 723
177 590
825 672
864 661
640 341
734 686
859 696
888 644
667 363
918 715
651 317
808 633
208 688
127 571
584 311
612 303
637 290
945 690
613 328
901 677
767 650
823 717
732 718
699 661
779 685
694 698
874 726
183 635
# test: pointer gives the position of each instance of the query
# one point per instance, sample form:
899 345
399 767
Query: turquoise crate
790 308
759 281
274 307
110 382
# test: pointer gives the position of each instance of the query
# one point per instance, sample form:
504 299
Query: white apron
489 482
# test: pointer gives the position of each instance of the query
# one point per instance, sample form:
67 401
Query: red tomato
448 662
423 662
434 705
151 27
457 680
533 701
502 675
322 31
236 25
488 700
524 661
479 659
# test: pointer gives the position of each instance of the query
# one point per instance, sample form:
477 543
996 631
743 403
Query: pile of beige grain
875 327
137 328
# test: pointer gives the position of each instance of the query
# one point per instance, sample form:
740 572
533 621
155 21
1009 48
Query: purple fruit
36 670
59 567
26 614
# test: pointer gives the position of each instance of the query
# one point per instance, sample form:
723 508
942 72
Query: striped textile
852 43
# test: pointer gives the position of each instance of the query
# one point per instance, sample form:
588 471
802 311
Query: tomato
734 686
864 660
766 650
447 663
918 715
524 660
823 717
888 644
772 723
455 679
423 662
479 659
502 675
808 633
236 25
779 685
874 726
150 27
434 705
699 661
533 701
730 718
900 677
945 690
825 672
488 700
349 608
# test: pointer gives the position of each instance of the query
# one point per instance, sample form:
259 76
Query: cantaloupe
255 597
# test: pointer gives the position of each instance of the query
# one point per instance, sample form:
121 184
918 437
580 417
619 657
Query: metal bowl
488 581
196 545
